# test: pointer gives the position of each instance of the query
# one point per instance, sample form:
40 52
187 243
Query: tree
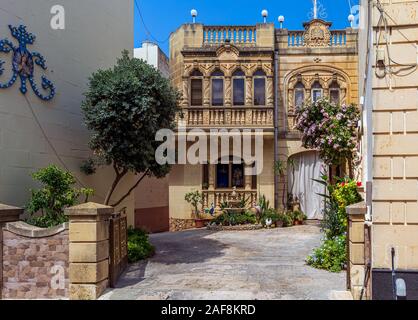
124 108
56 194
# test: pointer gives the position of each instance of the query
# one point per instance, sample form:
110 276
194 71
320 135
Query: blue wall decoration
23 63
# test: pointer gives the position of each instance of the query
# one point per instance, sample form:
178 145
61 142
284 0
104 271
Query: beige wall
395 151
96 33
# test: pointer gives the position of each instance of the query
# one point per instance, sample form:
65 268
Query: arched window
217 88
316 91
299 94
238 88
196 88
334 92
259 88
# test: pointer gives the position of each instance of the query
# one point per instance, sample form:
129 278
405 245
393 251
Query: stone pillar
356 248
186 97
7 214
248 91
206 91
89 250
248 179
228 91
270 91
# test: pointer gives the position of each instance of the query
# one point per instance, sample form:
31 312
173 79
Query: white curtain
307 167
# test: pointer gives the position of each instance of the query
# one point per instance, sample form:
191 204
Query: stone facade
316 54
35 262
390 139
198 52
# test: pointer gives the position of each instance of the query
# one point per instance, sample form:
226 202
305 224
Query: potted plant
195 198
288 219
299 217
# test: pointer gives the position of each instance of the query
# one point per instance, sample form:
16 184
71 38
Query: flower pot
297 222
279 224
201 223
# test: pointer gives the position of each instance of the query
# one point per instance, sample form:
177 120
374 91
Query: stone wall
181 224
35 262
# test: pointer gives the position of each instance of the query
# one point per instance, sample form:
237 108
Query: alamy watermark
197 146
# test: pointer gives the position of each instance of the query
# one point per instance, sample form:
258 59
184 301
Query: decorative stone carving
317 33
249 91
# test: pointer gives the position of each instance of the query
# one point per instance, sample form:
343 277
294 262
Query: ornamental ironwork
24 62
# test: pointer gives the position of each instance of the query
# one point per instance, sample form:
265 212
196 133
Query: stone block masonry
35 262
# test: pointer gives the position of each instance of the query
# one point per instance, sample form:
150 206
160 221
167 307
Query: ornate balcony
228 117
222 195
238 35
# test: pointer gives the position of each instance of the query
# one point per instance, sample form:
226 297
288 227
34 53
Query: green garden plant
46 205
332 254
195 198
139 247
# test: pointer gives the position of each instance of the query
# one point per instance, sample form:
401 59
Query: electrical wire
389 70
145 26
54 150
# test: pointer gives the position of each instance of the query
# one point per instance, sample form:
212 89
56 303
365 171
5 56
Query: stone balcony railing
217 197
296 38
239 35
227 116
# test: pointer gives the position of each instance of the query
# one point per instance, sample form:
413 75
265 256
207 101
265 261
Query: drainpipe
276 126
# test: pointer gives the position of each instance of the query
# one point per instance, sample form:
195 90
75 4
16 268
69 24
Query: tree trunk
118 177
130 190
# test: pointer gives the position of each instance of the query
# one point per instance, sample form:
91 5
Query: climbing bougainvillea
329 128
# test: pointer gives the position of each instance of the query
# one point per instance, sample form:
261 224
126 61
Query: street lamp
193 13
351 19
281 20
265 14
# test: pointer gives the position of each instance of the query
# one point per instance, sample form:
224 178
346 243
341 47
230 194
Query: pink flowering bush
329 128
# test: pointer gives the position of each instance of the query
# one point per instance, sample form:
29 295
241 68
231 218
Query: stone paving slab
203 265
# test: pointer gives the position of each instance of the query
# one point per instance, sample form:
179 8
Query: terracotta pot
201 223
279 224
297 222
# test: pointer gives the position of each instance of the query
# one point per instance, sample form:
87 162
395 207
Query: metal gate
118 246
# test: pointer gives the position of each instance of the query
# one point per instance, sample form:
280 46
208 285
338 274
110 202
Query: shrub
139 247
329 128
270 214
299 216
57 193
288 219
231 218
331 255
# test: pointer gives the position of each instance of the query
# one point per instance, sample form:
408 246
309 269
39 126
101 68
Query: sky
161 17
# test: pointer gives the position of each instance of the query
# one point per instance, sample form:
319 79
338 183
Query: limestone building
253 77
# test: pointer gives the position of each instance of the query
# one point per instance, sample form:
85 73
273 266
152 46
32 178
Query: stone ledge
23 229
357 209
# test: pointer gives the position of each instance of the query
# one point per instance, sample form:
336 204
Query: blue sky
161 17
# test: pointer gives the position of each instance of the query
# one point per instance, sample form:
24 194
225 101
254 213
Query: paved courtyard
201 264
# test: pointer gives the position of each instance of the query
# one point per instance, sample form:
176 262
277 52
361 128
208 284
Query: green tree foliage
57 193
124 108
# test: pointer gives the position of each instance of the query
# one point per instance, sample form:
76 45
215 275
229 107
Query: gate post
356 248
89 250
7 214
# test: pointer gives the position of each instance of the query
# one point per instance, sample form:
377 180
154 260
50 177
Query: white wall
153 55
96 32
